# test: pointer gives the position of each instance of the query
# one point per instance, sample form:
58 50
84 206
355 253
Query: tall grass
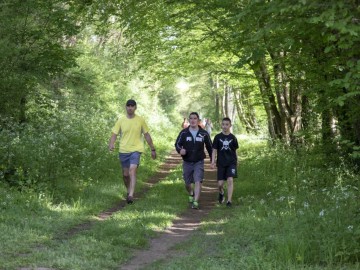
59 174
31 238
292 211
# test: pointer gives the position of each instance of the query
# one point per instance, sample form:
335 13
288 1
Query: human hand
111 147
183 151
153 154
212 165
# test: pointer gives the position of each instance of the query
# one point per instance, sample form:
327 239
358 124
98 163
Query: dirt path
161 247
183 226
163 171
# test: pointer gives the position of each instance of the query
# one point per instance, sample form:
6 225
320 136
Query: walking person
208 126
131 127
185 123
190 144
224 153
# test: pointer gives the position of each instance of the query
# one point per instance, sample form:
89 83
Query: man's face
130 109
194 121
225 125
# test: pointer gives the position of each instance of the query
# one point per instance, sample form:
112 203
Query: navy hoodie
194 148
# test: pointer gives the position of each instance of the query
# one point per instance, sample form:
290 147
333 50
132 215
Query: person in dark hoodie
190 145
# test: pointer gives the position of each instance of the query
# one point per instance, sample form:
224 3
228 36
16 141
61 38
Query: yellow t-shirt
131 132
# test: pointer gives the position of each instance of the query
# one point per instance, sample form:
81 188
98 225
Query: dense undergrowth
61 175
294 210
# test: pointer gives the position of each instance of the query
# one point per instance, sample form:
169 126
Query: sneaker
221 198
228 204
191 198
195 205
129 200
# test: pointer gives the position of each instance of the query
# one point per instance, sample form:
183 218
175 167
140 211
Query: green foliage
69 124
313 44
291 210
67 68
315 204
32 225
35 39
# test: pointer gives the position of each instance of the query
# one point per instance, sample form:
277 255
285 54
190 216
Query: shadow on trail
161 246
163 171
183 226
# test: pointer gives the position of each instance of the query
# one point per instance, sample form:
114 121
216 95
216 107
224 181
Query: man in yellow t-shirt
131 127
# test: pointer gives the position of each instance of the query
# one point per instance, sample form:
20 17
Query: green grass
291 212
110 242
31 221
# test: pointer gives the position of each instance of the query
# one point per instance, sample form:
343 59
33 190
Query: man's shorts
129 158
193 172
223 173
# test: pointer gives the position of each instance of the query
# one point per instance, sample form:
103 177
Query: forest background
285 71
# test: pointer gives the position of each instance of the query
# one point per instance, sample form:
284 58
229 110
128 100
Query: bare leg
221 186
230 187
197 191
189 189
126 178
132 174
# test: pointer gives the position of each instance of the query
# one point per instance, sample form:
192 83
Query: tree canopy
288 69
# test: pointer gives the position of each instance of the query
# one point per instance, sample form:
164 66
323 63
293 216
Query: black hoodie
194 149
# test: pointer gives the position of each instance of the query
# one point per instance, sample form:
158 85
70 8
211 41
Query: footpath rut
162 246
163 171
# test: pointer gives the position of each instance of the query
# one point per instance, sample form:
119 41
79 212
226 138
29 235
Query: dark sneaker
129 200
221 198
228 204
191 198
195 205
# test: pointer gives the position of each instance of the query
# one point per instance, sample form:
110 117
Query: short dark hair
131 102
226 119
194 113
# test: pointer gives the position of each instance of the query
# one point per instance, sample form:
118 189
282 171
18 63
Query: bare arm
151 144
112 141
214 152
208 145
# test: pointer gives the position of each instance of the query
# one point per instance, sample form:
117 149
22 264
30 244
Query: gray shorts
193 172
129 158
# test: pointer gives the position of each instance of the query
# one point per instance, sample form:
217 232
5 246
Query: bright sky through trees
182 85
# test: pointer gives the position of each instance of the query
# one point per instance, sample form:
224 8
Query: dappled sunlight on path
162 172
162 247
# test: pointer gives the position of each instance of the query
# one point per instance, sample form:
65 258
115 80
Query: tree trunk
268 99
217 100
245 112
288 98
226 101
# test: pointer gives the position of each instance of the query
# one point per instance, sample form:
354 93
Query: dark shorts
127 159
193 172
223 173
